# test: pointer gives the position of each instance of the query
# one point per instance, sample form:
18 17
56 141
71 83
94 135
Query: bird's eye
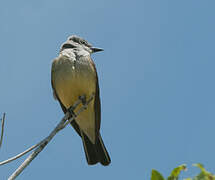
84 43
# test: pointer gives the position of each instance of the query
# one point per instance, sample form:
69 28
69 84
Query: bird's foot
83 99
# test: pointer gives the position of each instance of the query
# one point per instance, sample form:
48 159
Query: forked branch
40 146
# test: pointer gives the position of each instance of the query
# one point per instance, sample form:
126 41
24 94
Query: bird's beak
94 49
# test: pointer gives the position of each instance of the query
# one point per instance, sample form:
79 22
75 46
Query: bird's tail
95 152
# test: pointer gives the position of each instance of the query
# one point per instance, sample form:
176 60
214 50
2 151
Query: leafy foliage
203 175
156 175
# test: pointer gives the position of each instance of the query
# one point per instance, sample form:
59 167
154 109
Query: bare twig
34 146
2 129
21 154
43 143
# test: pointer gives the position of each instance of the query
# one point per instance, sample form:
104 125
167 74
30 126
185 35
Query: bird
74 76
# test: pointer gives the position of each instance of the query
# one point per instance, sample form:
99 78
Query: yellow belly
70 82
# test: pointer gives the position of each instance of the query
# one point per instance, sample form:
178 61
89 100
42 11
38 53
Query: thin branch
2 129
34 146
59 127
21 154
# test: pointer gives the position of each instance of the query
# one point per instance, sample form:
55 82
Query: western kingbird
73 76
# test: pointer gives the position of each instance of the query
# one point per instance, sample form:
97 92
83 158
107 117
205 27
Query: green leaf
204 174
200 166
175 172
156 175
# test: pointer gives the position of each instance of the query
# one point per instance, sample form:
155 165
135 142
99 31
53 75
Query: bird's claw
83 99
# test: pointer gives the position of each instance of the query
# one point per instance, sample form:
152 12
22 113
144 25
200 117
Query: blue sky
156 80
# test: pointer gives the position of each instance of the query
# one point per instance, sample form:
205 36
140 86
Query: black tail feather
95 152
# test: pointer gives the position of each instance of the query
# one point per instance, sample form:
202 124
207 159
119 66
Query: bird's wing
97 104
52 70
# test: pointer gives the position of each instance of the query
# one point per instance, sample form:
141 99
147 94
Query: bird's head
76 42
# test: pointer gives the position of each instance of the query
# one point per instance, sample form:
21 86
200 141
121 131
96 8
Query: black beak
94 49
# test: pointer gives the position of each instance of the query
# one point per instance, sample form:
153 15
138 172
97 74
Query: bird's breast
74 78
